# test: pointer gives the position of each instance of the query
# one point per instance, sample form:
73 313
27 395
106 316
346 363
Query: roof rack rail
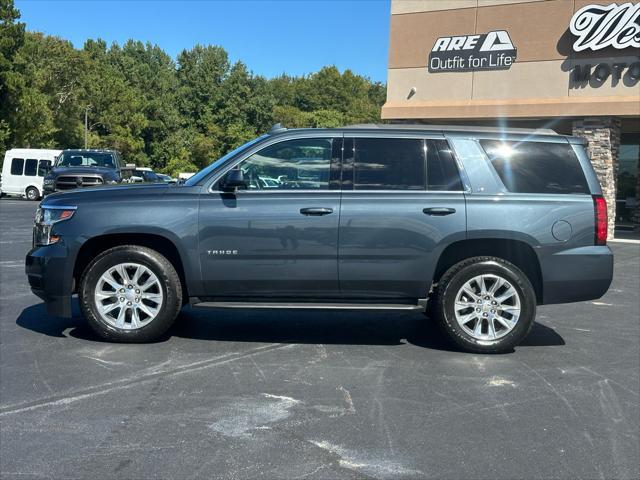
453 128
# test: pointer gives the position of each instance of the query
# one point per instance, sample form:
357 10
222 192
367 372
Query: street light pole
86 124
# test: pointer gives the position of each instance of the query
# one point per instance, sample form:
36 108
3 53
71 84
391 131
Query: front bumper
50 273
577 274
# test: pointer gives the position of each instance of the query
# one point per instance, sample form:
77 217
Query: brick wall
603 137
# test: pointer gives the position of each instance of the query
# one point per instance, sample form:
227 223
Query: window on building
389 164
292 164
627 178
442 171
31 167
17 165
536 167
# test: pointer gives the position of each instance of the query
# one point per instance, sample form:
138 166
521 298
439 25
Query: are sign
599 26
489 51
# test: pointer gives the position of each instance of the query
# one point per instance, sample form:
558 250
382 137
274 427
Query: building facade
569 65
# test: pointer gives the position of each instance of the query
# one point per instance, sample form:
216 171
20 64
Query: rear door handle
439 211
316 211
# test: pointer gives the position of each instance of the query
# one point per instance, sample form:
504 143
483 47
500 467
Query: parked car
475 227
79 168
23 170
145 175
166 178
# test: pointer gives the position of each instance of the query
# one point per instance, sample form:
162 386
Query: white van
23 170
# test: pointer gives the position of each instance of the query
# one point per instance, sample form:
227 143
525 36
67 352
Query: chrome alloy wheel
487 307
128 296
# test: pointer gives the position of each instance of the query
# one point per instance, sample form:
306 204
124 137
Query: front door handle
316 211
439 211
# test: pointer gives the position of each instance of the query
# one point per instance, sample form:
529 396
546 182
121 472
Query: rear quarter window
536 167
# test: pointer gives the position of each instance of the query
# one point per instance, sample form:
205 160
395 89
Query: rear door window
442 171
389 164
17 165
31 167
536 167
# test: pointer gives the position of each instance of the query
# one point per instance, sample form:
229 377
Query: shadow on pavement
273 326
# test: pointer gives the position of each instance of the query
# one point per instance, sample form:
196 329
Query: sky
271 37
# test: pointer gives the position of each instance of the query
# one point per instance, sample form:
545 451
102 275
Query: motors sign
598 26
488 51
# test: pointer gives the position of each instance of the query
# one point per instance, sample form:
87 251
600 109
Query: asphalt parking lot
255 394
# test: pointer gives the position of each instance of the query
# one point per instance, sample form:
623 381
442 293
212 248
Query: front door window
303 164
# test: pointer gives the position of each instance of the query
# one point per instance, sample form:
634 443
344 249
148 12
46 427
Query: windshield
195 179
86 159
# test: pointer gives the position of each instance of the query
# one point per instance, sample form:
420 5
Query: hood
102 171
109 194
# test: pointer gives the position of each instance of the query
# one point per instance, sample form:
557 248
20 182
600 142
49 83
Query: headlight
48 181
111 182
46 218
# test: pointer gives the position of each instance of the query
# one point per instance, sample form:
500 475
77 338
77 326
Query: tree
11 39
172 115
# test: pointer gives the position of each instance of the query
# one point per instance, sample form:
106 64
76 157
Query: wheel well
96 245
517 252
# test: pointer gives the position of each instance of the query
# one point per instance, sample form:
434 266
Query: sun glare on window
503 150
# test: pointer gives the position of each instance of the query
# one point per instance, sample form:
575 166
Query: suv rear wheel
130 294
485 304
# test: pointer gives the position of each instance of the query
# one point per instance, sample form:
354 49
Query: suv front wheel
485 304
130 294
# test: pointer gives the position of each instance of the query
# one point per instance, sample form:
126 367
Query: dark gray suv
473 226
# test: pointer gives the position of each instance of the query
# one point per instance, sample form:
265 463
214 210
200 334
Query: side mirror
234 179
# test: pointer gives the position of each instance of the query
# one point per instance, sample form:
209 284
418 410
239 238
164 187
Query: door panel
279 237
403 206
389 247
260 244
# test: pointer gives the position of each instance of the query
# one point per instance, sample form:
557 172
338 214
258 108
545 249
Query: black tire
164 271
32 193
453 280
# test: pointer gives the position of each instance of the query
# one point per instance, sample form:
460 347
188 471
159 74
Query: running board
321 306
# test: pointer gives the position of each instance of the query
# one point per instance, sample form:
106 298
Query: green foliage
11 39
180 164
171 115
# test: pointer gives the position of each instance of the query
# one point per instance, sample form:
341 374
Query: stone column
603 143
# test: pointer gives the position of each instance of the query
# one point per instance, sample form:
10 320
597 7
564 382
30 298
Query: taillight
601 221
